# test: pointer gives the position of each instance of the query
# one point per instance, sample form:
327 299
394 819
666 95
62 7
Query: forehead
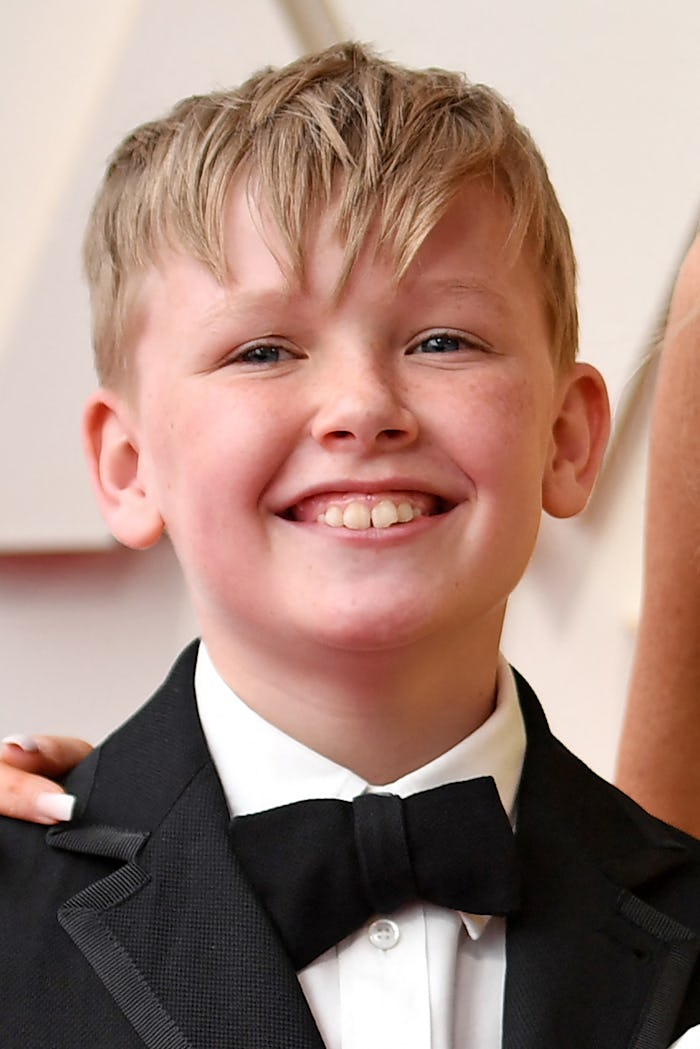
466 268
475 230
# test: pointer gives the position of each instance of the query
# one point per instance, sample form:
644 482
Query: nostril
342 434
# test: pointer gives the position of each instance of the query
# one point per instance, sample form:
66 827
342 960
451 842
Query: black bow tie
322 868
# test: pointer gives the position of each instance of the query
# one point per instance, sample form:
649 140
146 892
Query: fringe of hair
386 148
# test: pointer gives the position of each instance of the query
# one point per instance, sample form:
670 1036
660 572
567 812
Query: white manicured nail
54 806
26 743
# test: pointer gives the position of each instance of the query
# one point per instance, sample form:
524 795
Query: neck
380 714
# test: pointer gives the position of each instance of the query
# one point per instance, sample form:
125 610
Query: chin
372 633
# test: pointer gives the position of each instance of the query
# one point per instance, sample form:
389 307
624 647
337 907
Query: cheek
524 433
500 432
215 459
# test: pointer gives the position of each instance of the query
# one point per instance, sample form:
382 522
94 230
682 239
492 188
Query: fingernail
54 806
26 743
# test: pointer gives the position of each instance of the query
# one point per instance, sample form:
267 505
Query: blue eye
262 355
442 343
447 343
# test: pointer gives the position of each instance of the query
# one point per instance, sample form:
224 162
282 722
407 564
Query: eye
445 342
262 354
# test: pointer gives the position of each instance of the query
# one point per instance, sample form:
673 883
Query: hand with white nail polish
28 767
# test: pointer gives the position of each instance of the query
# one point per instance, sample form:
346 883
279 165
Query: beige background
610 89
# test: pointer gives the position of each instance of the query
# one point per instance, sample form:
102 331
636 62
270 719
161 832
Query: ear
116 469
579 436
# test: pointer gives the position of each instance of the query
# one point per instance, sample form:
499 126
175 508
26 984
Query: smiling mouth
360 512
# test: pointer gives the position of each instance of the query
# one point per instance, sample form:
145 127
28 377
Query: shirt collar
260 767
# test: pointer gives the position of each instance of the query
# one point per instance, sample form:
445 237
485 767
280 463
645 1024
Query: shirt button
384 934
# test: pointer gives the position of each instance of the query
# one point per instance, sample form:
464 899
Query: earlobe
579 437
116 470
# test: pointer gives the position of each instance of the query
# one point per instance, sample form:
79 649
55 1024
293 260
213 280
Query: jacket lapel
595 957
174 931
599 955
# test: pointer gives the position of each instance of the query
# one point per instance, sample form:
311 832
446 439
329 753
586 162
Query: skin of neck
380 713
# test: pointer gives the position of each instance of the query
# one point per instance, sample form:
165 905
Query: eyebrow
236 303
460 288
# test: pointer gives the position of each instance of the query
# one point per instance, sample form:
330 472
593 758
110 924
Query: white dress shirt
689 1040
423 977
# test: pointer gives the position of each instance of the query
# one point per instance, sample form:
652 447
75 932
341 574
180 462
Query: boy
335 325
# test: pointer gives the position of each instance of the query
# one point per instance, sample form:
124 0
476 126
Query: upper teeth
358 515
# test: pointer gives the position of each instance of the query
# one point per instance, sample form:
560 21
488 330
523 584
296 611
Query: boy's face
272 422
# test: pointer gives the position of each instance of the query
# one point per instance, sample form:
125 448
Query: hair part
387 148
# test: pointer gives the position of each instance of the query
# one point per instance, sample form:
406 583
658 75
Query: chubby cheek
502 436
510 446
212 462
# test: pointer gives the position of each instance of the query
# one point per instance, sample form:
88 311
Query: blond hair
386 146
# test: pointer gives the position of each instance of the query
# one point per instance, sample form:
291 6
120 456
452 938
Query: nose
362 407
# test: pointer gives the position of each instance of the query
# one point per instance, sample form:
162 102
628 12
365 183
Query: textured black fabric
588 965
384 861
322 867
138 929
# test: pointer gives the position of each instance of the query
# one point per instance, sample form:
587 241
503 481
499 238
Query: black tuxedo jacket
136 926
